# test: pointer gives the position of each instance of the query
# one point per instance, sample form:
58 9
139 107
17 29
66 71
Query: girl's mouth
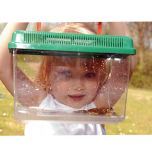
76 97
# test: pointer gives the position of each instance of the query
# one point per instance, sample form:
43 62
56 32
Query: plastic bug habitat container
70 77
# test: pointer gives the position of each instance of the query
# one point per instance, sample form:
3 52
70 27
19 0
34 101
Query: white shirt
50 103
57 128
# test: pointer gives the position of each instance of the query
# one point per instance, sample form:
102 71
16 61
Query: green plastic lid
32 42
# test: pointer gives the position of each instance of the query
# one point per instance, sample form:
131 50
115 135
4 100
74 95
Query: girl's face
74 85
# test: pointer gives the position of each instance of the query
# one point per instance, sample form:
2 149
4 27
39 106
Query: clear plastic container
70 77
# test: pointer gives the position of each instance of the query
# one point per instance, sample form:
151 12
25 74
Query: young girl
71 83
80 97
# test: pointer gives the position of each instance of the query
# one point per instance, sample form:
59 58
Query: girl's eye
65 74
90 75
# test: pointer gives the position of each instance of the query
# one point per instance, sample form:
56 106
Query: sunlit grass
138 114
8 125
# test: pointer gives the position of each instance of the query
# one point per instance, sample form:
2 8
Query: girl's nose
78 85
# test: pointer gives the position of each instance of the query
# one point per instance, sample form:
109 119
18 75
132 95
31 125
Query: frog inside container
69 77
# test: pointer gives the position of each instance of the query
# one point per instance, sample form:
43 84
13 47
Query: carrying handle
38 26
99 28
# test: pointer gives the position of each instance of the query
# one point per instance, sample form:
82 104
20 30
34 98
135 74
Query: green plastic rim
42 42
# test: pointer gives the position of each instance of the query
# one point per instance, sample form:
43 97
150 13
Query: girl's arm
118 28
121 28
6 73
115 81
6 69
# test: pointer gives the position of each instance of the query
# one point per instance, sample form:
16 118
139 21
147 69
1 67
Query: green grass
138 115
8 125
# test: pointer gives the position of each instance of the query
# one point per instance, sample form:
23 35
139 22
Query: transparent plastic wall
70 88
